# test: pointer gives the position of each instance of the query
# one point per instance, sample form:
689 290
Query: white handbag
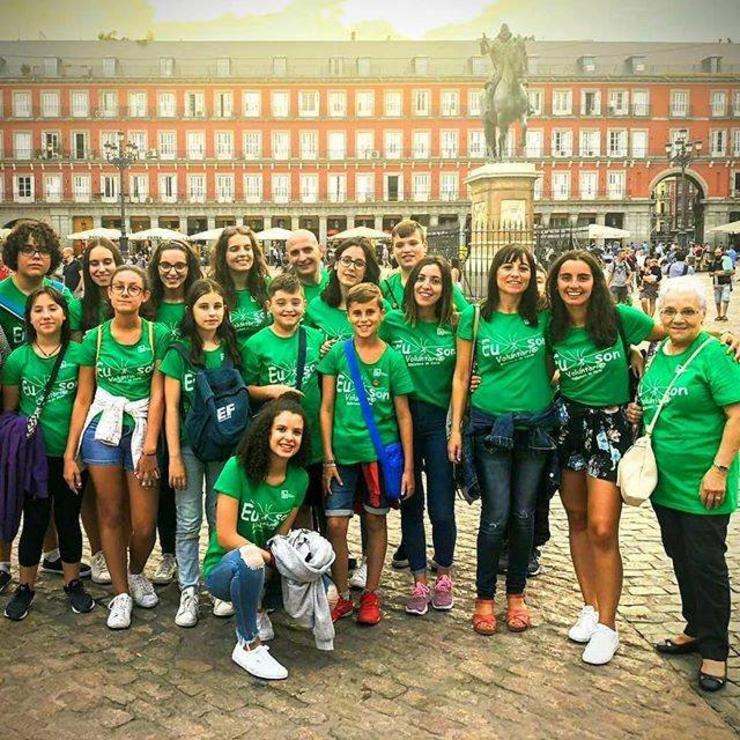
637 472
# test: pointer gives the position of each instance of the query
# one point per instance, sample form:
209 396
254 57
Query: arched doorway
677 209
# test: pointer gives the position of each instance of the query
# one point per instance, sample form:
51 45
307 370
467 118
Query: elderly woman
695 441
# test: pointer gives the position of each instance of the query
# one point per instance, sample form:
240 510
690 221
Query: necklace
48 354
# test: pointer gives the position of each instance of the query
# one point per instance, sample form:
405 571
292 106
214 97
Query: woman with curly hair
99 261
259 493
238 264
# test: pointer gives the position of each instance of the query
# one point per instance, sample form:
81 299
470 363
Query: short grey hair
685 283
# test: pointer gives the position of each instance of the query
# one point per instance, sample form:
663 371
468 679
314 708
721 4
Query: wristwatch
722 468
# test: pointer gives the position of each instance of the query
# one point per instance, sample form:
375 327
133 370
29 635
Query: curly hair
61 301
602 319
225 331
530 298
256 283
444 306
94 296
155 281
253 451
332 293
41 233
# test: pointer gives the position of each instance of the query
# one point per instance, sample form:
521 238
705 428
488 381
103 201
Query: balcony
640 110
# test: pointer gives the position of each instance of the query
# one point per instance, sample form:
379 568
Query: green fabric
170 315
13 327
30 373
690 426
248 317
312 291
272 360
511 360
262 508
429 351
331 322
598 376
383 380
393 288
174 366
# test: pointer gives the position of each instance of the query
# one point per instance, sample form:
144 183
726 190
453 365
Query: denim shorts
722 293
95 452
358 483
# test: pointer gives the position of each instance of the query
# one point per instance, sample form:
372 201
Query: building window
196 143
139 188
79 145
392 144
639 144
167 144
421 186
421 100
109 188
280 188
560 185
589 144
281 144
393 187
615 185
81 188
223 67
476 143
449 186
590 103
365 145
21 105
79 104
718 141
478 65
618 102
50 104
166 105
589 185
617 143
450 103
420 144
533 146
224 144
168 188
225 188
166 66
679 103
23 188
736 142
562 102
50 145
22 145
421 65
308 103
309 141
137 105
110 66
448 140
252 145
736 103
678 135
195 105
364 67
640 103
336 66
252 103
138 139
51 67
280 66
309 188
336 186
535 102
474 102
562 142
223 104
393 103
337 103
718 103
253 188
365 187
365 103
52 188
108 104
280 104
337 145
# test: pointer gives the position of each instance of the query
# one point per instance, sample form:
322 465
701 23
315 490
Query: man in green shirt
304 258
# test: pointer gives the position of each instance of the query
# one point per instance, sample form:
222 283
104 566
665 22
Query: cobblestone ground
67 676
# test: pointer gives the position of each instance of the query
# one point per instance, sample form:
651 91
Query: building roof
380 59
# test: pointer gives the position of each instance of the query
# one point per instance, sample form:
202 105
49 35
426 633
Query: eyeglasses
166 267
28 250
349 262
132 290
684 313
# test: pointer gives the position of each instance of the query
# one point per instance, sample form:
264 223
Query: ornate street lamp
681 153
121 155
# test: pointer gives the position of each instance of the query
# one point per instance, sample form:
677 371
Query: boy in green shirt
350 460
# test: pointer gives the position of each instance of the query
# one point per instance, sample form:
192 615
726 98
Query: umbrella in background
206 236
732 228
157 233
97 233
361 231
274 234
597 231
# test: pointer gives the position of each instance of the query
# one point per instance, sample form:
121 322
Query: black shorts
593 438
315 491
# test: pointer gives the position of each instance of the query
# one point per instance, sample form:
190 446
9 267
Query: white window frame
251 103
640 108
280 145
140 140
365 103
109 188
589 142
560 184
223 144
224 188
534 146
718 142
223 104
610 151
53 194
393 103
309 185
134 98
51 104
596 111
23 145
449 103
682 110
562 101
616 184
312 109
736 142
392 144
167 187
308 145
109 103
29 186
475 103
366 192
167 152
536 97
476 143
166 104
364 144
73 145
79 104
22 104
138 187
81 188
561 142
280 187
336 187
618 102
422 102
421 144
194 104
386 189
421 186
588 184
332 152
336 106
449 186
197 186
639 150
252 194
195 144
253 152
280 109
718 103
449 143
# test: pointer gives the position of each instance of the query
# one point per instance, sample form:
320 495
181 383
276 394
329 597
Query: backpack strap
33 420
301 362
98 343
151 336
12 308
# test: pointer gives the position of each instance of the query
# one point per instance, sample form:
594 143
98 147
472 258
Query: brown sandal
518 617
484 622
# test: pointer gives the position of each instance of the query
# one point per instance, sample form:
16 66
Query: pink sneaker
442 599
418 601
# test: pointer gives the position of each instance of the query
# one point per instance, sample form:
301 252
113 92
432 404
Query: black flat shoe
668 647
711 683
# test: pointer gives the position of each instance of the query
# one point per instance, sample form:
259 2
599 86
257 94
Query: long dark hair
530 298
602 319
253 450
93 297
258 272
155 281
443 307
225 331
61 301
332 293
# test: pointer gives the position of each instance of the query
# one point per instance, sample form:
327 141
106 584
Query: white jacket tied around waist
110 424
303 558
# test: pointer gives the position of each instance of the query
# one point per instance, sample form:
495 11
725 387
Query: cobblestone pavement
67 676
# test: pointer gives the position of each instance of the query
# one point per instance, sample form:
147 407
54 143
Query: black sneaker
55 566
17 607
400 561
533 567
80 601
5 579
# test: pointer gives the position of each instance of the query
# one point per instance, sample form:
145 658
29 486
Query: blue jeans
233 580
430 455
95 452
509 481
189 503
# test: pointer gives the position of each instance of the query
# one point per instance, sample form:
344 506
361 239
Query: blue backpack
219 412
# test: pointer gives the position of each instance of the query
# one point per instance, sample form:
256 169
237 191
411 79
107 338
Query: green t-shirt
331 322
272 360
383 380
248 316
262 508
393 289
30 373
175 366
599 376
511 360
312 291
170 315
13 326
690 426
429 351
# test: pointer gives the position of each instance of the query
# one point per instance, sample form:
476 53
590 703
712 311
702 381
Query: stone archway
677 207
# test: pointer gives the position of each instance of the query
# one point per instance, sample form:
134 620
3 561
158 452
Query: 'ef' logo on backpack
225 412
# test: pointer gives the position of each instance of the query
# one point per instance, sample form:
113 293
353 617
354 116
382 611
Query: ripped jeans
509 481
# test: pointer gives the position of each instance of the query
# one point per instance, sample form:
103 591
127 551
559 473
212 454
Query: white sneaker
222 608
142 591
584 627
359 577
99 569
120 607
264 627
602 646
258 662
187 614
165 571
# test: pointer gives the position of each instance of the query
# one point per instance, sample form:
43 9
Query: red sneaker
369 611
343 608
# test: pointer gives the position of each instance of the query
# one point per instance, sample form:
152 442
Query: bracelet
330 464
148 454
722 468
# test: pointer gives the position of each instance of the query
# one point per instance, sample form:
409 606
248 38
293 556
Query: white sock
52 554
5 565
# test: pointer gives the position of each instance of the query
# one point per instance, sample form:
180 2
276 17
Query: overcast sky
605 20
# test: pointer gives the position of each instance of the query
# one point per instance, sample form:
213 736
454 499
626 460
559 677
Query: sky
599 20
